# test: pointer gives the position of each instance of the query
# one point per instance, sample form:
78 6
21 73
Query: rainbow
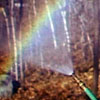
38 22
29 33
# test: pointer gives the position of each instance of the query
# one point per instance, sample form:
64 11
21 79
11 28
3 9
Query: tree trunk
14 37
51 25
96 46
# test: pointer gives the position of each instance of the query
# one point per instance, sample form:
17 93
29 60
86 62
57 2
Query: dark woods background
83 19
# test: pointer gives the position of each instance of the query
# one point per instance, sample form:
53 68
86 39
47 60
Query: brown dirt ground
41 84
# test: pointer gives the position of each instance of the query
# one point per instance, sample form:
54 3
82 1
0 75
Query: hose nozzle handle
89 93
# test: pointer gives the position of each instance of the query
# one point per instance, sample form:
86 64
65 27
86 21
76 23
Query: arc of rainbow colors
30 34
38 22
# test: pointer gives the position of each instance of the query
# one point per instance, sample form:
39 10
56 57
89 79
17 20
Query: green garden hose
90 94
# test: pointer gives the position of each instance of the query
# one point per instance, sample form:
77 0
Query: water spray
89 93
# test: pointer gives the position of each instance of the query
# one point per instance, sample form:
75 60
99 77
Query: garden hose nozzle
89 93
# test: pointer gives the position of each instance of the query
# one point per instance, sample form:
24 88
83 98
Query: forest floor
41 84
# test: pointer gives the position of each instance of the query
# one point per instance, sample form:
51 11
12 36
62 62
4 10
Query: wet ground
41 84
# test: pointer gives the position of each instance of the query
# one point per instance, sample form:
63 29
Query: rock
5 86
16 85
